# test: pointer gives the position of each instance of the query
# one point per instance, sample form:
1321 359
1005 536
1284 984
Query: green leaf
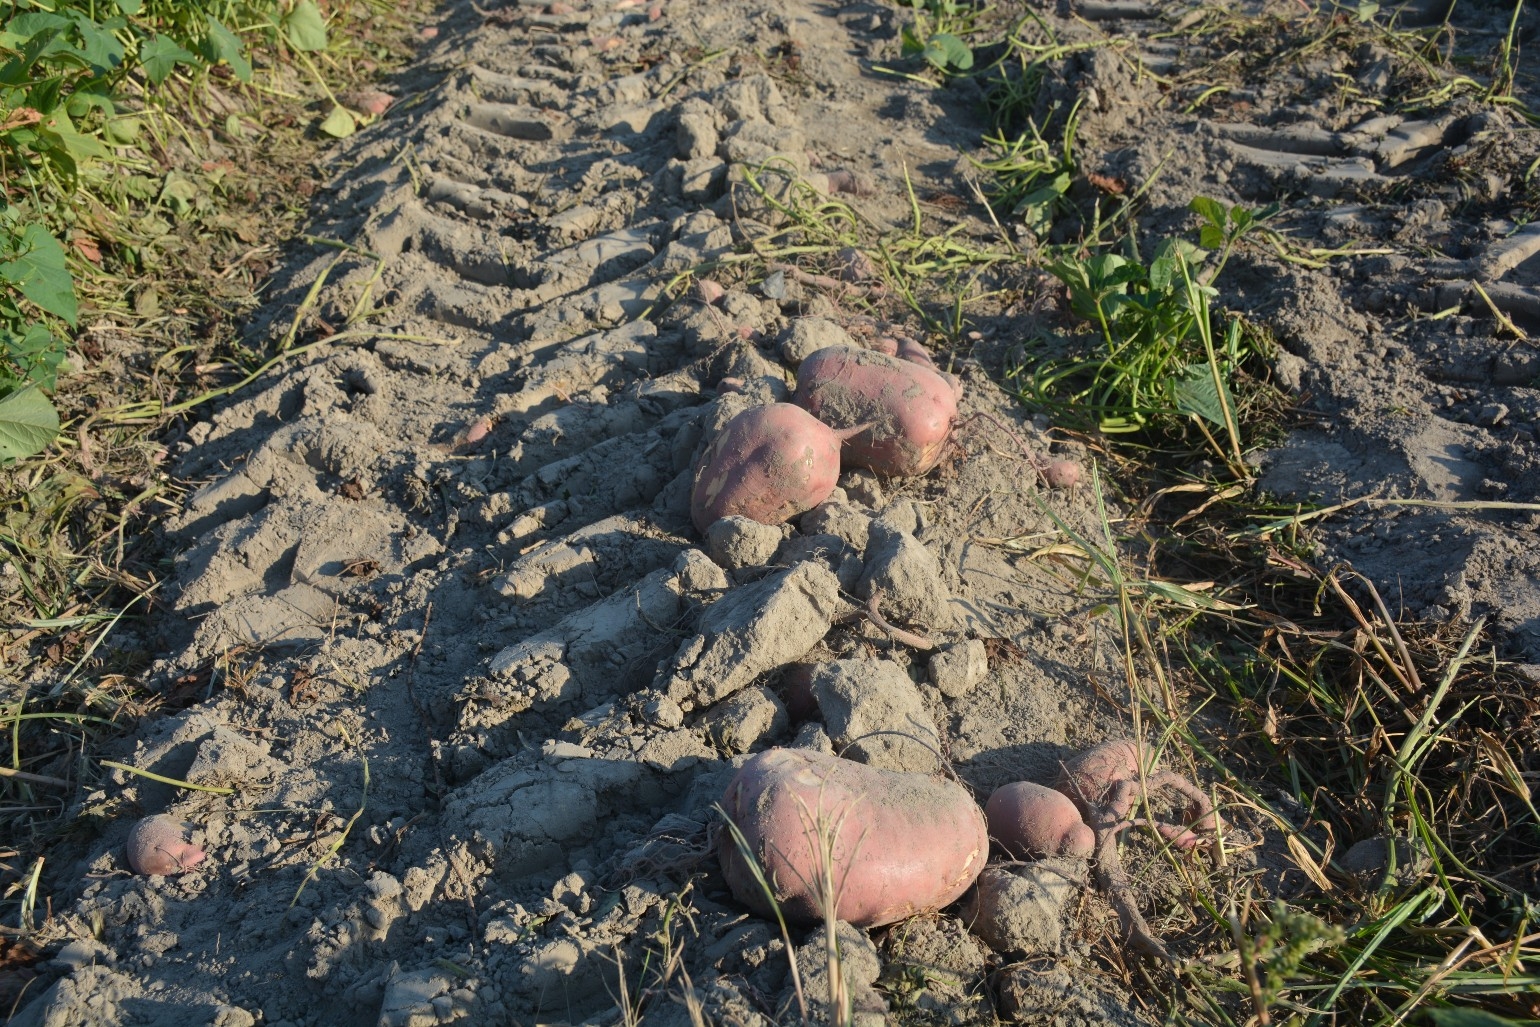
28 422
225 46
1196 395
944 51
38 352
35 23
160 56
304 27
1209 210
1211 238
130 7
99 46
60 131
83 102
38 272
122 130
339 124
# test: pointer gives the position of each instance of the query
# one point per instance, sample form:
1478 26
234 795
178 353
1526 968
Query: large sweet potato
899 844
769 464
909 408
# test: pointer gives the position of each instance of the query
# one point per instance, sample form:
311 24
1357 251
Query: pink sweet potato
901 844
769 464
1029 820
910 407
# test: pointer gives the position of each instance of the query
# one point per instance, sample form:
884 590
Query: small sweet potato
1114 775
769 464
909 407
158 846
1029 820
899 844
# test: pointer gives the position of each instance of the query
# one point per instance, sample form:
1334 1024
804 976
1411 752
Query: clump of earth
471 683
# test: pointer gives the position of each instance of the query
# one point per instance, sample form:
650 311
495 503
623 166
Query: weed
936 34
1158 365
1029 177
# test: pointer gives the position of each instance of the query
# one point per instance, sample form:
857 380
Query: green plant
1030 178
936 34
1222 228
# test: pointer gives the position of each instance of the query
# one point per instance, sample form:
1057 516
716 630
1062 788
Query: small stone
745 720
1494 414
698 573
664 712
807 335
863 487
876 715
1021 908
736 542
956 669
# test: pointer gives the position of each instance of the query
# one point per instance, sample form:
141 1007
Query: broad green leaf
130 7
38 352
38 272
35 23
83 102
1196 395
159 57
225 46
122 131
1209 210
59 130
945 51
99 46
339 124
28 422
304 27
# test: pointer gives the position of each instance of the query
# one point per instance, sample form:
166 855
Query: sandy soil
470 681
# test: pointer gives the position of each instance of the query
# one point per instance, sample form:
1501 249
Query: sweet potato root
769 464
1029 820
1106 782
897 844
909 407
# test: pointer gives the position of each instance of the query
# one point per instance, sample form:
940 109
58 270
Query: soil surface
462 682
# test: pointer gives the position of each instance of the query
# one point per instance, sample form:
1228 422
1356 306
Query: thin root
909 638
1114 881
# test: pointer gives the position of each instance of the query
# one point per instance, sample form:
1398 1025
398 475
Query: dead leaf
21 117
1107 183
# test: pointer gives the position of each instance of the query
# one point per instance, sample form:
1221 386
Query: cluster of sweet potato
853 407
878 846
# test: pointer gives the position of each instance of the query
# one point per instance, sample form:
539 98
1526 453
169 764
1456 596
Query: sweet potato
769 464
158 846
910 407
1116 772
899 844
1029 820
1107 781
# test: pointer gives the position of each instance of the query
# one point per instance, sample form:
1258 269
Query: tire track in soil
465 563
